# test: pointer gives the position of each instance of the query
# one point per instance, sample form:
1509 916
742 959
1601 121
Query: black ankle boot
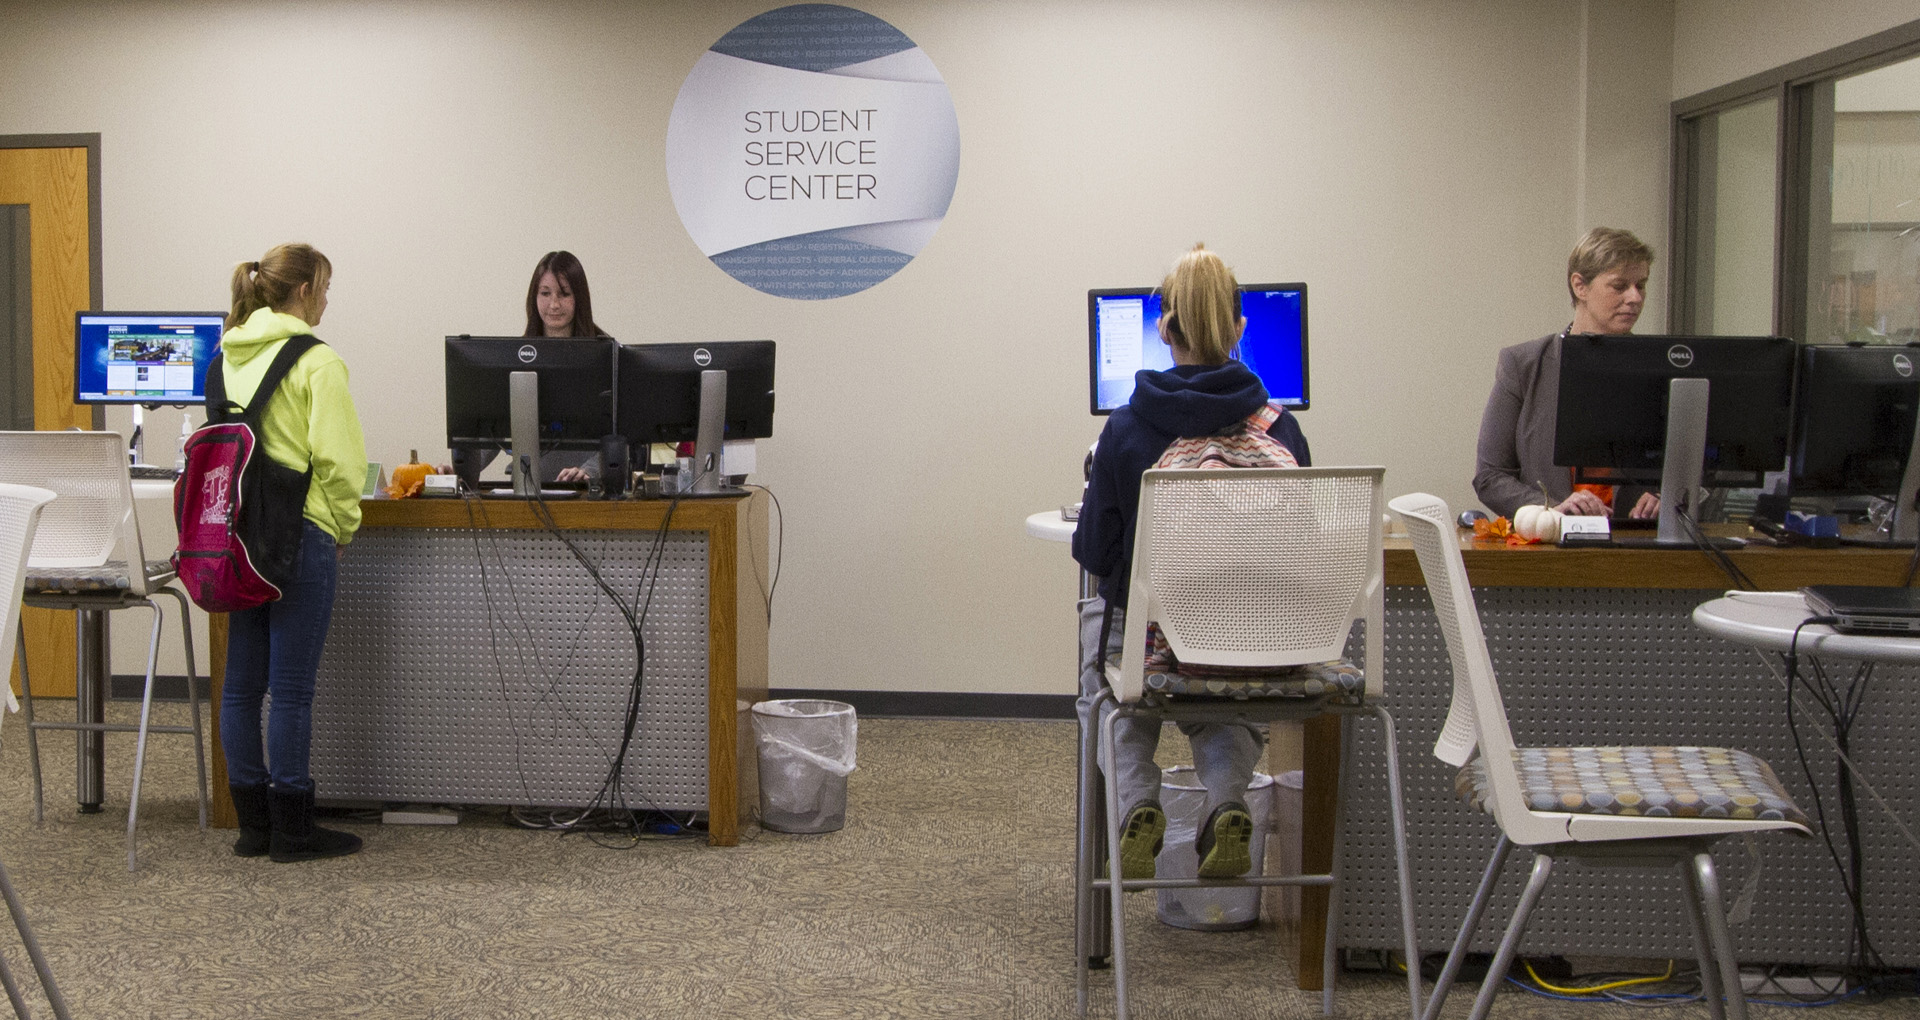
256 820
296 838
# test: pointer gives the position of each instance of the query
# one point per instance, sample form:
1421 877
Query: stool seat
1652 782
111 576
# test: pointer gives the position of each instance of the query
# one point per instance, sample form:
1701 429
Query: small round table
1766 620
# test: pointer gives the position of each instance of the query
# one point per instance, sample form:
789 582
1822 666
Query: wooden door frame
91 142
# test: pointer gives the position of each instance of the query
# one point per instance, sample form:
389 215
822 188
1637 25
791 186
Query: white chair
1647 806
1255 577
20 509
70 568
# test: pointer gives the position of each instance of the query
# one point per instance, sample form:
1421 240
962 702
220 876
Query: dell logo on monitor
702 357
528 352
1903 365
1680 355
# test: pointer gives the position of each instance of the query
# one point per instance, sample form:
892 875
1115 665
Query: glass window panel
1864 215
1732 182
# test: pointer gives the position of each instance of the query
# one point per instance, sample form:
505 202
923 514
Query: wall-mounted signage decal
813 151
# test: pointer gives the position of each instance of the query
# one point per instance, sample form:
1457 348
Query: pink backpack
239 512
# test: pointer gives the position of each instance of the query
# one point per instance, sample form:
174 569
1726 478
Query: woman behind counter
1607 279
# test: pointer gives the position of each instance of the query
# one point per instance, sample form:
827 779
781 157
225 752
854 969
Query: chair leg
47 984
1437 997
33 739
1708 880
1330 940
1089 906
1396 804
193 700
140 743
1510 943
1116 893
1702 945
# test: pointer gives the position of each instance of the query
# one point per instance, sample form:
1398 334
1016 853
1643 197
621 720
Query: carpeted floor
947 895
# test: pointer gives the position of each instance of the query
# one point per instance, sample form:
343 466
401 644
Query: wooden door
57 179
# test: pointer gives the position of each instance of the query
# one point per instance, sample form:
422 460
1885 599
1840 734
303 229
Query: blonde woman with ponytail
1206 393
273 651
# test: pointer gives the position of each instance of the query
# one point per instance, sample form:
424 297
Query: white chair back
1477 716
88 470
1256 567
20 511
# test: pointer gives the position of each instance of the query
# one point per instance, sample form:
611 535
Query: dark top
1187 400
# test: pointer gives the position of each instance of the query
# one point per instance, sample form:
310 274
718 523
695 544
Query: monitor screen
1612 422
576 389
660 389
1854 410
144 357
1123 330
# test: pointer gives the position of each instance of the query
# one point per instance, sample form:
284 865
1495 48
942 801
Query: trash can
1185 801
806 750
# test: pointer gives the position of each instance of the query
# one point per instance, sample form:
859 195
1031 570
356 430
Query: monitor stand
1682 468
523 415
708 439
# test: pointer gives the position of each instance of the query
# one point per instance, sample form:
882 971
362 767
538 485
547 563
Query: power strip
419 818
1756 982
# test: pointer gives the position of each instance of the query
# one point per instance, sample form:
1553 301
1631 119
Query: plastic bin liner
1206 909
806 750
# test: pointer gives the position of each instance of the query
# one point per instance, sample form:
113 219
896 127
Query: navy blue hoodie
1187 400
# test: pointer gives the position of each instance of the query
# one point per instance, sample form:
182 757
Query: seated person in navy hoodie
1207 392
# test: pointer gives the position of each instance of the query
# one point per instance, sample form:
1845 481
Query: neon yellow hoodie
312 416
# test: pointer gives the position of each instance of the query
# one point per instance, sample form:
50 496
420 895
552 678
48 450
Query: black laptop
1867 609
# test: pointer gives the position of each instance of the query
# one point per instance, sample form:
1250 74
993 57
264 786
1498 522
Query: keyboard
152 473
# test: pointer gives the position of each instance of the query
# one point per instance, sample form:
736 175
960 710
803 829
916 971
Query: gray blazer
1515 454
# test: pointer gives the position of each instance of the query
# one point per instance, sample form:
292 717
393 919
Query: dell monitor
144 358
1123 333
666 390
562 399
1854 427
1682 410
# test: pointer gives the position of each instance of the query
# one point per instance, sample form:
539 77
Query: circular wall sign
813 151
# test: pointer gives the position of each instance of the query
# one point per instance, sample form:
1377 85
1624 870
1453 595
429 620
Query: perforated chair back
1255 567
88 470
20 514
1477 716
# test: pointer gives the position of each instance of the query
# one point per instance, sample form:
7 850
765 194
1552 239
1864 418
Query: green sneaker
1225 843
1141 838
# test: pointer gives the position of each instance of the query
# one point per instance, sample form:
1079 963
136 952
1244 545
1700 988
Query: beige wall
1720 41
1424 167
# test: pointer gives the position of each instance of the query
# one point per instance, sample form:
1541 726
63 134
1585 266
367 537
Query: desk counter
473 659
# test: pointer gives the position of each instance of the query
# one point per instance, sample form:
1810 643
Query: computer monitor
1123 335
1631 410
147 358
660 389
1854 421
573 383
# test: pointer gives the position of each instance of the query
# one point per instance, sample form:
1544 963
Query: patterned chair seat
107 578
1343 680
1657 782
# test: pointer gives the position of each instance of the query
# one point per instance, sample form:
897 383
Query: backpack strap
221 409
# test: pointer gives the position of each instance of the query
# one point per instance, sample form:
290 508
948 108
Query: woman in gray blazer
1607 280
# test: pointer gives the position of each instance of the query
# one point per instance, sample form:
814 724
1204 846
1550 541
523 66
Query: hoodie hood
1197 400
262 330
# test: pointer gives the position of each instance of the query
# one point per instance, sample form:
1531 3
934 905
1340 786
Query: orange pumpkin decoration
409 478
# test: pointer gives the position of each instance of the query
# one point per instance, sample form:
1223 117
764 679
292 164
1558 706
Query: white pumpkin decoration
1537 523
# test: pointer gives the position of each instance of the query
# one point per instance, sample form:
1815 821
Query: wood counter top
1496 564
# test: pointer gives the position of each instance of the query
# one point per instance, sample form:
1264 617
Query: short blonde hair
273 281
1602 249
1200 306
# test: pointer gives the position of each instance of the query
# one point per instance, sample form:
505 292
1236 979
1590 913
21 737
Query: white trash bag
806 750
1215 909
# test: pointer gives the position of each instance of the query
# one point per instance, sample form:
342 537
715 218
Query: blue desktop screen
144 357
1124 335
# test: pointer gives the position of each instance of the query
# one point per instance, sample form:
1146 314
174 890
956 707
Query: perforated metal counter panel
1606 666
486 667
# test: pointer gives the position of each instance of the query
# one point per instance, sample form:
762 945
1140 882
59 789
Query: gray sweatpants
1224 755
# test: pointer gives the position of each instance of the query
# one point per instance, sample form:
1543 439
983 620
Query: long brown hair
273 281
568 270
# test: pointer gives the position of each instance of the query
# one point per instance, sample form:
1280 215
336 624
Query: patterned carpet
947 895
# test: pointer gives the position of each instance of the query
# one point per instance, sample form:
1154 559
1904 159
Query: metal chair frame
1099 905
90 472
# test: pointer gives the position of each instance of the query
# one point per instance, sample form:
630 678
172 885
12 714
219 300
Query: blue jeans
273 652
